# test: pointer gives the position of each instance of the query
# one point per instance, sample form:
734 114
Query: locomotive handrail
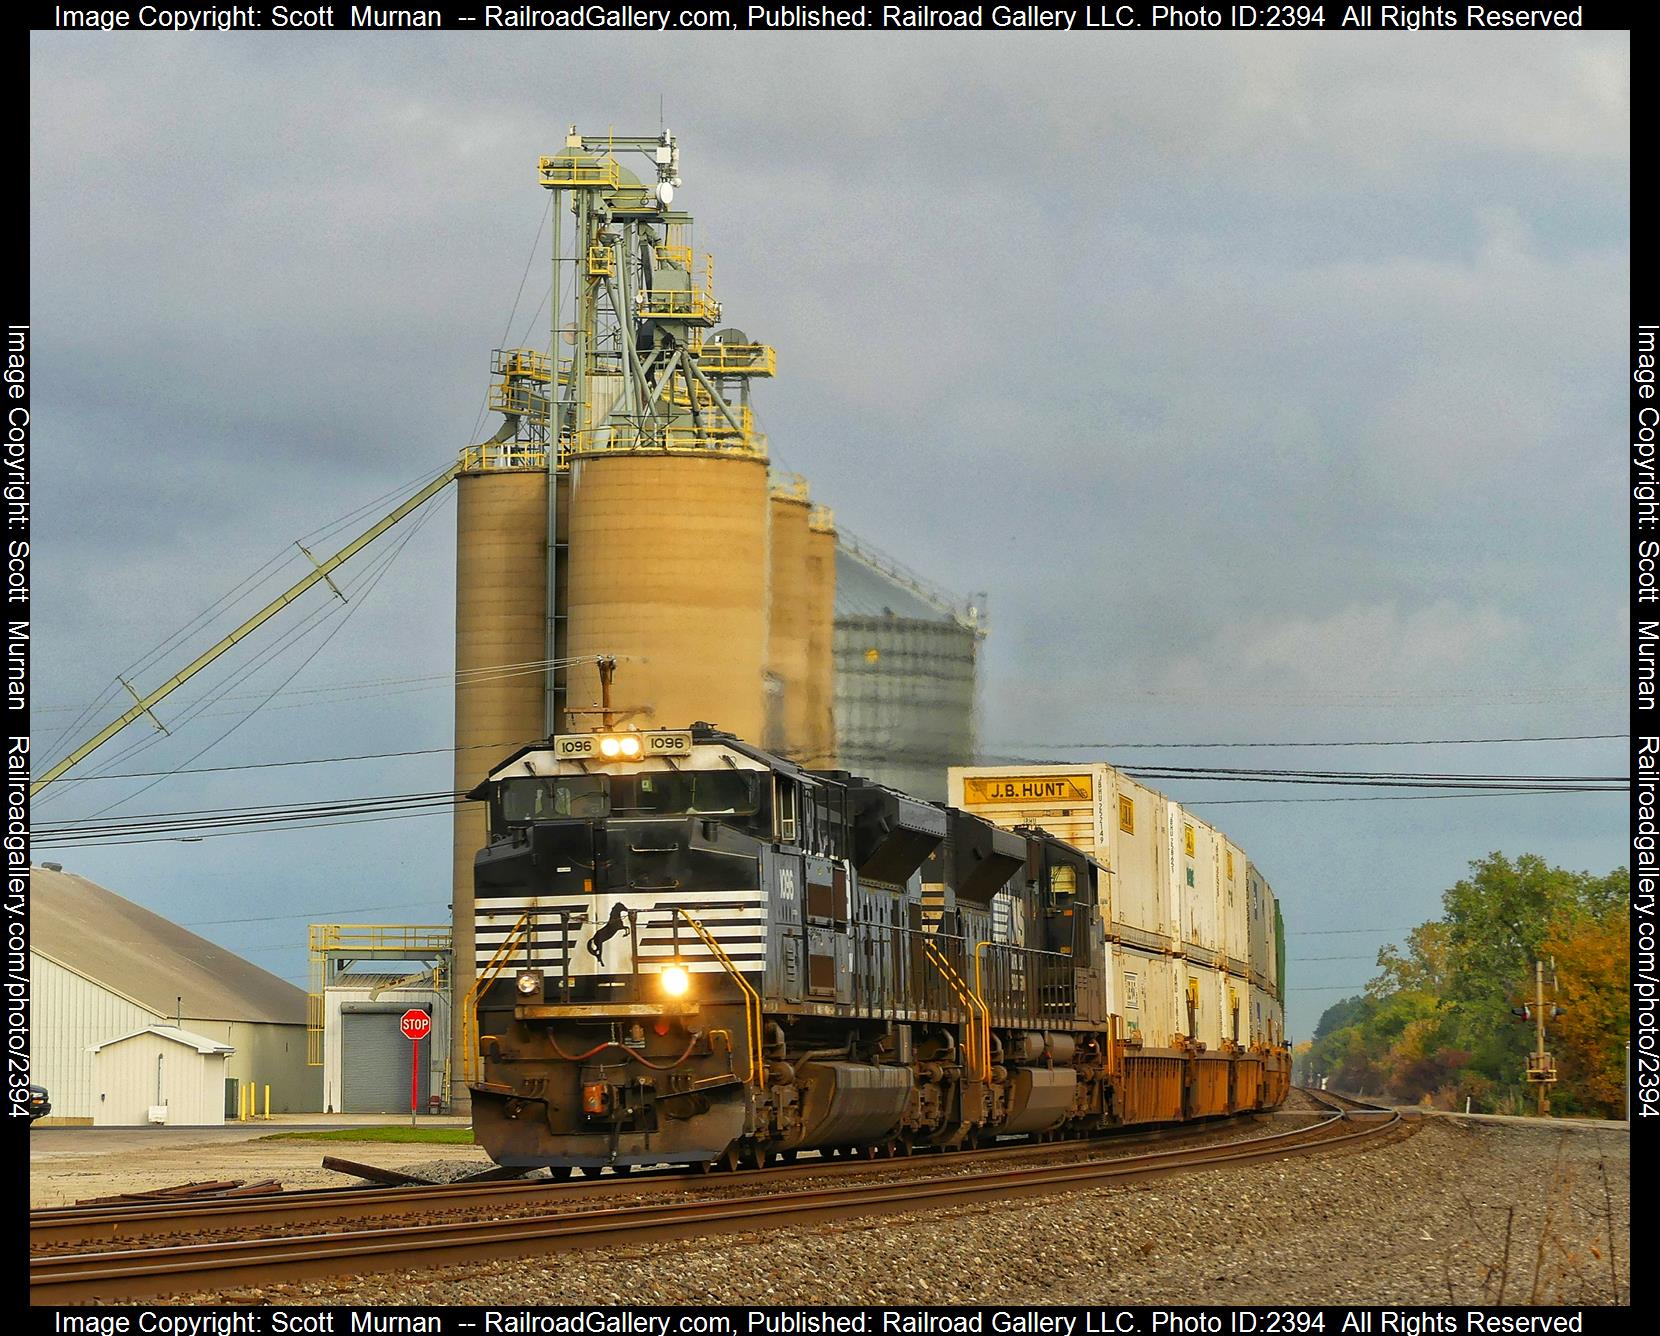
981 1043
470 1054
752 999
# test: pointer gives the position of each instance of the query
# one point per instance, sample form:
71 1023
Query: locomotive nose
563 853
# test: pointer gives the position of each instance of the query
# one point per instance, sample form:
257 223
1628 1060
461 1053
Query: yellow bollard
267 1103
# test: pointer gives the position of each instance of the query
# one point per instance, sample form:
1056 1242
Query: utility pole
1541 1067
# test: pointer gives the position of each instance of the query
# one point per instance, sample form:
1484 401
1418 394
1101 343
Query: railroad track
129 1273
128 1224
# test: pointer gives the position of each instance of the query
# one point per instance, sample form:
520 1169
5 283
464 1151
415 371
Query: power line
313 914
315 760
1396 742
1395 797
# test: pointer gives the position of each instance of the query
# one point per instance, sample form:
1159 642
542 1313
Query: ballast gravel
1460 1212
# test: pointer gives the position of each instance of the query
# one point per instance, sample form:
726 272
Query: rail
145 1272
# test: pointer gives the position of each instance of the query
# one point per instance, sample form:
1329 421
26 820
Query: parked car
40 1103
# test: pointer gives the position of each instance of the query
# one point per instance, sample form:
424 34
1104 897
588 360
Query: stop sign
416 1024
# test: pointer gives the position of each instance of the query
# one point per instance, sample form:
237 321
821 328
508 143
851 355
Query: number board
585 746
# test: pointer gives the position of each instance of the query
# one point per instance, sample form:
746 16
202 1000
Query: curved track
130 1224
149 1272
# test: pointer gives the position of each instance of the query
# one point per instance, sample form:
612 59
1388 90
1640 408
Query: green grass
430 1136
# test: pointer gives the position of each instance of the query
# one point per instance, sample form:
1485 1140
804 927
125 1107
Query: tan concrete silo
788 620
668 571
500 621
821 614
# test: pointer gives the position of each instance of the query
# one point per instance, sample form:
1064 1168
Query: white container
1234 902
1193 879
1098 809
158 1113
1144 994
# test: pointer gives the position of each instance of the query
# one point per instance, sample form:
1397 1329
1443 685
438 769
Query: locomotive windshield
657 793
579 796
673 792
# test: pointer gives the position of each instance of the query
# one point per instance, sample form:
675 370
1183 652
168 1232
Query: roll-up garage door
374 1066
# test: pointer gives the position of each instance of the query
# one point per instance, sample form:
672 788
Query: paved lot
70 1163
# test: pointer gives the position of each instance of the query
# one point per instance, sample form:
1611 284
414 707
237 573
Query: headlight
529 983
675 981
630 747
611 747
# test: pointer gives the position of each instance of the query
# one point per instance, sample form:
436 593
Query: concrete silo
668 572
789 621
905 659
820 707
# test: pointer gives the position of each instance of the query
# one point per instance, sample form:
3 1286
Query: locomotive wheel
755 1157
870 1151
729 1161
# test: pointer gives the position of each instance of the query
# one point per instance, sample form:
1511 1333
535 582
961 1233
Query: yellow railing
738 359
503 456
714 437
527 362
979 1016
677 304
789 486
563 171
752 1001
470 1055
680 255
602 260
417 940
520 397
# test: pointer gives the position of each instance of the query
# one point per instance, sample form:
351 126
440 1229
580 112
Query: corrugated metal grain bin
904 682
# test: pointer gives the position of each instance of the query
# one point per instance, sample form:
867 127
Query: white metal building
159 1074
366 1057
104 968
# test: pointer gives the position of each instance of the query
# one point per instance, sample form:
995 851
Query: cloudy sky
1270 386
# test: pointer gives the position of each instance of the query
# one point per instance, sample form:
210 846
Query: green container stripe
1279 950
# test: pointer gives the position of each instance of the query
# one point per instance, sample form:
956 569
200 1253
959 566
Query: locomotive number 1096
622 746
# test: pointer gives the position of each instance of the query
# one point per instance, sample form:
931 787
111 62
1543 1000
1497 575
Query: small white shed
159 1074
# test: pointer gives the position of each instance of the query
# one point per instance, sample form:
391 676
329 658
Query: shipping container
1193 874
1233 870
1143 990
1102 811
